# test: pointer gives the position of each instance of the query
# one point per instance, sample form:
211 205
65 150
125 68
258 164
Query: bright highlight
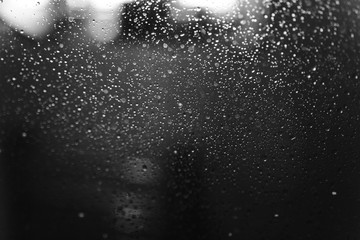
33 17
216 6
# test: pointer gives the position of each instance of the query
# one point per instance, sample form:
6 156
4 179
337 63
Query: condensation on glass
178 119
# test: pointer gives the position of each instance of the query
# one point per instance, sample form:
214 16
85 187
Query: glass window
178 119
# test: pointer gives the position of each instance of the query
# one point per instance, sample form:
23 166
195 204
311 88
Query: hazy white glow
100 5
33 17
77 4
107 4
216 6
105 26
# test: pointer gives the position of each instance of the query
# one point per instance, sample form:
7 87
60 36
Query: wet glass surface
175 120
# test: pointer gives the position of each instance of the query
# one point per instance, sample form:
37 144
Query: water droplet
191 49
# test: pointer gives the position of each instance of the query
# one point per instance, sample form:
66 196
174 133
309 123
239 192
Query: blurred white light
216 6
107 4
105 26
33 17
100 5
77 4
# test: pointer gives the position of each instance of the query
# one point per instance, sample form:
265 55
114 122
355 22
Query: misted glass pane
179 119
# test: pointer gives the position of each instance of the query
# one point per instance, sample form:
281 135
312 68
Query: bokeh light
216 6
32 17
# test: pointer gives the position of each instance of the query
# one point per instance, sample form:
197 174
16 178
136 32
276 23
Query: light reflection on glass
216 6
104 25
103 17
32 17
